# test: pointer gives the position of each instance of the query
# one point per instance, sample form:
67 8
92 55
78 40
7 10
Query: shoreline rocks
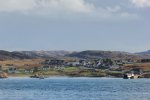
3 75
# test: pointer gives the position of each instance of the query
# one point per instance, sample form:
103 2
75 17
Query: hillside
6 55
44 54
103 54
145 54
89 54
12 55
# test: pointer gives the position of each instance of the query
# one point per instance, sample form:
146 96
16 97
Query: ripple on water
64 88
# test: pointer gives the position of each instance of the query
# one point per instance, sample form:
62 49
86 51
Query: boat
130 76
37 76
41 77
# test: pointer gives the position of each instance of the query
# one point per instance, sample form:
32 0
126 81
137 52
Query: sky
75 25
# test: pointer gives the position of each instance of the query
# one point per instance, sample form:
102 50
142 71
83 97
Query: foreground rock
3 75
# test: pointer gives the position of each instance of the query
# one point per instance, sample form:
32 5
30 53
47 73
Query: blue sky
75 25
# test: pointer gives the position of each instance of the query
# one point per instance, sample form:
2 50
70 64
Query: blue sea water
64 88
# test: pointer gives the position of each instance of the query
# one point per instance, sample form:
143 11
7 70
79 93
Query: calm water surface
61 88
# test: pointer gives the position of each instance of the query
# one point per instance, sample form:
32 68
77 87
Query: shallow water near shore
66 88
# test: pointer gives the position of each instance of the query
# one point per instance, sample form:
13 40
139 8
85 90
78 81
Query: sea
77 88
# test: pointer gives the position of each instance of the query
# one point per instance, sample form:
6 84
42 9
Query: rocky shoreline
3 75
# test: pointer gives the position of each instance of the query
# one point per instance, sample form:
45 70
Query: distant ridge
145 52
103 54
44 54
88 54
31 54
12 55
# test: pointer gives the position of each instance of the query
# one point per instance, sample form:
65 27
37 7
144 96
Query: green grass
71 69
51 72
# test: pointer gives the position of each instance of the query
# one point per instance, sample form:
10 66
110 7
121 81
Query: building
45 68
12 70
28 70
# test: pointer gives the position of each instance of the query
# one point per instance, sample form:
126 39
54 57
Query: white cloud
115 9
16 5
29 5
65 8
141 3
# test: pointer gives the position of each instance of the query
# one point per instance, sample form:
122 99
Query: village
94 67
